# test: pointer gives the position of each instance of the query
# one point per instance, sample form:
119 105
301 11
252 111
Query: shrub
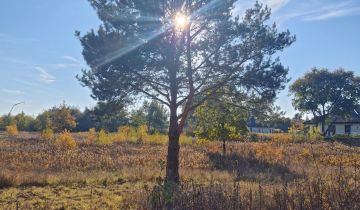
281 137
125 133
47 134
185 140
91 136
65 140
314 134
103 138
253 137
61 117
203 142
157 138
12 130
142 133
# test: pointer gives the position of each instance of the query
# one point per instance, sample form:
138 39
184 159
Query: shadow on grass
350 142
251 169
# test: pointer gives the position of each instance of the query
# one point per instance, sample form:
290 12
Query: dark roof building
353 118
349 125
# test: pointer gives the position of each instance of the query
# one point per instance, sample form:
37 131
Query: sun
181 21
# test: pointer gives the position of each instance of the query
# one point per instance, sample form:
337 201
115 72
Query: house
339 125
255 127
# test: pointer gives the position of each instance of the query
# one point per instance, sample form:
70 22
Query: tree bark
330 126
223 137
224 147
172 167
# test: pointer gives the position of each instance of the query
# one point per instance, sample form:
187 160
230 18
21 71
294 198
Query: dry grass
37 175
311 137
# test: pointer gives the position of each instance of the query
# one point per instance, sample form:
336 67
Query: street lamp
15 106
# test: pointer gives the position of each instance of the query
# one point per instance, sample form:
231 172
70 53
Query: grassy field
36 175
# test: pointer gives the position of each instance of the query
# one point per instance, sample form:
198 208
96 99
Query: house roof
251 123
353 118
310 122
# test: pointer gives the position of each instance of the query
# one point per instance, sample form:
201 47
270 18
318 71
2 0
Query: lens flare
181 21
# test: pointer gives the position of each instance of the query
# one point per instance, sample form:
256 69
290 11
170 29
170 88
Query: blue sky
40 56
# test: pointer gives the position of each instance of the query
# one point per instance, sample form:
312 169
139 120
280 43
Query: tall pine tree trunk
172 167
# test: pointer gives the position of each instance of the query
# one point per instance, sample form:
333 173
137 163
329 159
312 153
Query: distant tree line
108 116
222 117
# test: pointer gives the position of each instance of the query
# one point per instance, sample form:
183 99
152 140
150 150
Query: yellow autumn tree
61 118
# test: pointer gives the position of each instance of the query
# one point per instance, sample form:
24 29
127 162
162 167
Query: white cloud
333 13
45 76
61 65
243 5
275 5
12 92
317 10
71 63
71 58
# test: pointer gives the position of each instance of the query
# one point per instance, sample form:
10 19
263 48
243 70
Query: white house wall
355 129
261 130
340 128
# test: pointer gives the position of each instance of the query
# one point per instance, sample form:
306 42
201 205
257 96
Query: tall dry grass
309 194
266 175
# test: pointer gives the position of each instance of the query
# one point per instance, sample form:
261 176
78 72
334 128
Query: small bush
47 134
315 134
12 130
185 140
91 136
142 133
158 139
253 137
125 133
203 142
104 137
66 140
281 138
